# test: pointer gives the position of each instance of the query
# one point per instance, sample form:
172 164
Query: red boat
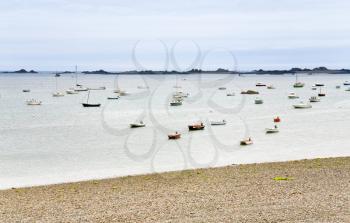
176 135
196 127
277 119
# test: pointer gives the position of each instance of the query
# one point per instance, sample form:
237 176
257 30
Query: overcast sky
94 34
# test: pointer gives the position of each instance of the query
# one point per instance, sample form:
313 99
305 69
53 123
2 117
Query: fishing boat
272 130
175 135
222 88
271 87
293 95
250 92
314 99
176 103
277 119
26 90
194 127
346 83
246 142
137 125
223 122
260 85
230 94
33 102
87 104
302 105
297 83
113 97
258 101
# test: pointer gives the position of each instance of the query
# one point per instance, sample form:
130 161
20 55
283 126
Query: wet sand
297 191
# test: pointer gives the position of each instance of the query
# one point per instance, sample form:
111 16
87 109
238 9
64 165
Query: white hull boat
302 105
314 99
223 122
33 102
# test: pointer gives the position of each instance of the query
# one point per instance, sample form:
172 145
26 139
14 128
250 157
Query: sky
119 35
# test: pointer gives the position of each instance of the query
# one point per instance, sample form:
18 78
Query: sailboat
321 94
87 104
78 87
298 84
57 93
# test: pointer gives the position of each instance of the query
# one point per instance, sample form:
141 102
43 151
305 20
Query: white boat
57 94
71 91
223 122
181 94
33 102
347 83
259 101
272 130
314 99
302 105
271 87
230 94
348 89
121 92
137 125
97 89
80 88
292 95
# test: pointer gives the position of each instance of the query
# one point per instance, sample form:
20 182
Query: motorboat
313 88
319 85
113 97
314 99
292 95
195 127
175 135
246 142
57 94
137 125
33 102
260 85
176 103
250 92
223 122
302 105
272 130
71 91
230 94
258 101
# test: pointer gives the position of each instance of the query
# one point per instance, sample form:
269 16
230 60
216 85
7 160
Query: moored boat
26 90
230 94
223 122
260 85
57 94
175 135
277 119
302 105
194 127
314 99
176 103
88 105
258 101
250 92
246 142
292 95
137 125
272 130
33 102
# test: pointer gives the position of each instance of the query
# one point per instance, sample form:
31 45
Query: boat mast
76 75
87 101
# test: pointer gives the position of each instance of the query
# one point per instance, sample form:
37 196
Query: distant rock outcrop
21 71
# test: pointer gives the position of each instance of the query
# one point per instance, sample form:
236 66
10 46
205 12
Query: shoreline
292 191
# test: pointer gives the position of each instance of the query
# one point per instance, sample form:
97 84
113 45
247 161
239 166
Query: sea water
61 141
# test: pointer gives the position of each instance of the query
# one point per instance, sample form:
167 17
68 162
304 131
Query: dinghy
175 135
246 142
195 127
272 130
223 122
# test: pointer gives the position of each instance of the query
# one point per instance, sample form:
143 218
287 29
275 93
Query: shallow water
61 141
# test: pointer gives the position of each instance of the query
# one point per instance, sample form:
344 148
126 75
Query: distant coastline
317 70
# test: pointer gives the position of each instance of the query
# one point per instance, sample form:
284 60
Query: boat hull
86 105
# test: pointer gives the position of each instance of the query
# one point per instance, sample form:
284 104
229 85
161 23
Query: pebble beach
296 191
